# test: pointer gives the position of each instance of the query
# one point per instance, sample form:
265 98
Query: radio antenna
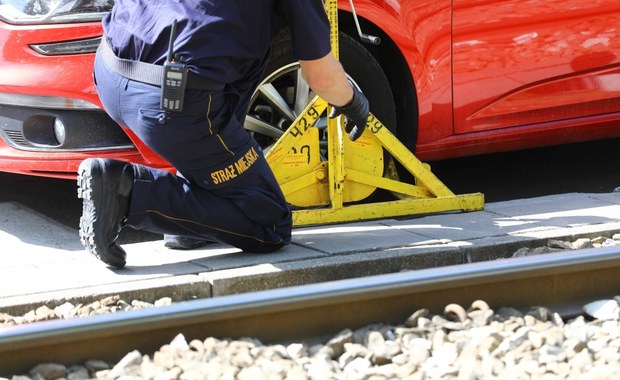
173 31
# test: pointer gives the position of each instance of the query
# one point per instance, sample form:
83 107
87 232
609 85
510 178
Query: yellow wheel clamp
322 191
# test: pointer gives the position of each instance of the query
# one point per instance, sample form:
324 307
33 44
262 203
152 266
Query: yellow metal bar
334 132
388 184
379 210
406 158
331 7
336 163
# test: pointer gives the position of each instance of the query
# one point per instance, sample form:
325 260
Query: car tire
359 64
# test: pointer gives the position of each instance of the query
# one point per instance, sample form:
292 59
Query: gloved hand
356 111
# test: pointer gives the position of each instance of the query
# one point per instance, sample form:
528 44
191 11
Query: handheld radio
174 80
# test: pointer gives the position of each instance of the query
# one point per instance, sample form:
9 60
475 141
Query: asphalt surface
44 262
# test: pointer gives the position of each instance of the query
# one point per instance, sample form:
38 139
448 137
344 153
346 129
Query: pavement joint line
301 245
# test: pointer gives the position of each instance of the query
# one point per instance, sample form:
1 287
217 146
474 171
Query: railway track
562 281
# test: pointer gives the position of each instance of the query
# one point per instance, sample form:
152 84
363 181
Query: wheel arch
397 70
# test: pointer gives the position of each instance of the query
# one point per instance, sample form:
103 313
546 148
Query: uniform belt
148 72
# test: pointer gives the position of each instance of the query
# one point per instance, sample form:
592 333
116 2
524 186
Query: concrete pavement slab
562 210
28 237
238 259
355 237
456 227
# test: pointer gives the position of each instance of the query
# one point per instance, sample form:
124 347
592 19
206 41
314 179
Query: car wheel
283 94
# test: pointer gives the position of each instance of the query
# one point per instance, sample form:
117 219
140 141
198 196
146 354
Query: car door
525 62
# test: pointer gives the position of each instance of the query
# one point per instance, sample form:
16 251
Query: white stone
603 309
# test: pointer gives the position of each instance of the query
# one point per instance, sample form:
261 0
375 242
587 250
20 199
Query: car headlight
53 11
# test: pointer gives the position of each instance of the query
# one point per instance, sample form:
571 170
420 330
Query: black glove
356 111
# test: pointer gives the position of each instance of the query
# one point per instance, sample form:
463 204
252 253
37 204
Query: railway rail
562 281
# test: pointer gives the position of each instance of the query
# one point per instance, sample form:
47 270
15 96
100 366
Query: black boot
105 186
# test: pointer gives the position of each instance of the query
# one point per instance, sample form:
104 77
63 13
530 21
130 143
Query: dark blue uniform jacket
221 40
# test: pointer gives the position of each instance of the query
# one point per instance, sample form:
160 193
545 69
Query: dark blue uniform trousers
224 189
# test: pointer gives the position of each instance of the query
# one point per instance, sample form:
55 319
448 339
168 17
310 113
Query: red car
450 77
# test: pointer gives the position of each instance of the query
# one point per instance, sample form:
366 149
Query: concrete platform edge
268 276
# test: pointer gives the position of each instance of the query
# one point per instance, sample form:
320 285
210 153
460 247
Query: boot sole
87 231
